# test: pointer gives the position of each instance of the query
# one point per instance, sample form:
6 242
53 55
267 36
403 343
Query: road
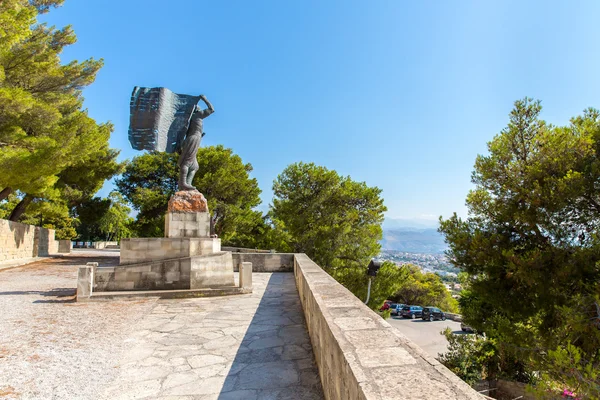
426 334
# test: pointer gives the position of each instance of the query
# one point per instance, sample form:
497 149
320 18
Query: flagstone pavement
252 346
242 347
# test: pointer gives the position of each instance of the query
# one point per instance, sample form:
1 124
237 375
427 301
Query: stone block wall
357 352
187 224
16 241
137 250
20 241
245 250
265 262
159 275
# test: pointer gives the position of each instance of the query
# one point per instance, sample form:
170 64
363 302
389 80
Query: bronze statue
188 164
165 121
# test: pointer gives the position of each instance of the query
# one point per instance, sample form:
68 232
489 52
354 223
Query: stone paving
239 347
242 347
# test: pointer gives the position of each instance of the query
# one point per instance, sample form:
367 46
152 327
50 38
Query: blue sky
402 95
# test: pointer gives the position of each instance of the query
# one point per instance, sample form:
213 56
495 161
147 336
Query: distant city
436 263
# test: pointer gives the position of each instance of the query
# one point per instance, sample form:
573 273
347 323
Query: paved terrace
241 347
252 346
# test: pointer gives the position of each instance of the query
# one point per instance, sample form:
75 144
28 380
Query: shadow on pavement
63 295
275 359
57 292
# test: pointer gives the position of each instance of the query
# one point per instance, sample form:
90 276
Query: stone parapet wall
244 250
265 262
357 351
20 241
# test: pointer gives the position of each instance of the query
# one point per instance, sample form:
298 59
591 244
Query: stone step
167 294
196 272
137 250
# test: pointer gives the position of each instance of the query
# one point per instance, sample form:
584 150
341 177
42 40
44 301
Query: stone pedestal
187 224
186 258
188 201
187 216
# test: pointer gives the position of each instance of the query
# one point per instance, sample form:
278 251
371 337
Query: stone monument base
198 272
186 258
136 250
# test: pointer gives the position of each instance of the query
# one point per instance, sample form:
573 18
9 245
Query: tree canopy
425 289
150 179
531 248
333 219
50 148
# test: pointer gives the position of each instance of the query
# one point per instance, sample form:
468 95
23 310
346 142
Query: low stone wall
105 245
454 317
244 250
16 240
507 390
360 355
20 241
264 262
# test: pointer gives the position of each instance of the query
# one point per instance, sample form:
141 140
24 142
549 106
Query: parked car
431 313
411 311
396 308
466 328
385 306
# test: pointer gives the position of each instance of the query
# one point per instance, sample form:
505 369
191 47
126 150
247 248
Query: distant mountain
415 223
413 240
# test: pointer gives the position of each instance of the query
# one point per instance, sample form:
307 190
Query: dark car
411 311
431 313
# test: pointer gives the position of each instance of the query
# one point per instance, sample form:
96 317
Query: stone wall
16 240
264 262
360 355
105 245
20 241
244 250
158 275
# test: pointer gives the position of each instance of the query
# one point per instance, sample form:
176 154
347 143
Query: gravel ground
52 347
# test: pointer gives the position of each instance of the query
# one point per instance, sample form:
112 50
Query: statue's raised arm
207 111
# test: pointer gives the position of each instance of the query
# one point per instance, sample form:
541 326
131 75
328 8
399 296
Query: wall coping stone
357 351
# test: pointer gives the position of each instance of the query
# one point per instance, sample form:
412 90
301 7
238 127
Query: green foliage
50 149
471 357
150 180
115 222
336 222
425 289
387 282
333 219
232 195
530 245
385 314
89 214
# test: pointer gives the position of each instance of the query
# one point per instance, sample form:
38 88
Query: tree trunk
5 193
20 208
